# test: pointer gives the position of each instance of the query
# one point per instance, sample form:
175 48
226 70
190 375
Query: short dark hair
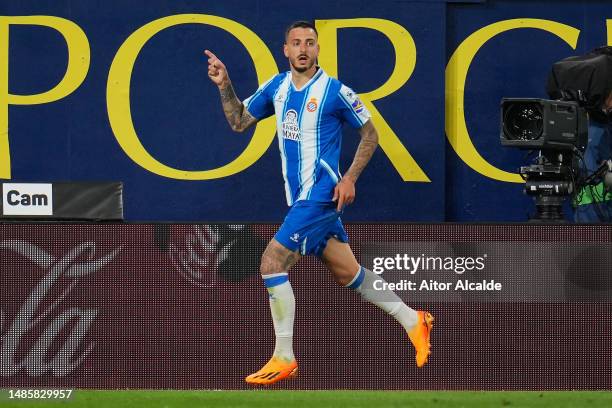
300 24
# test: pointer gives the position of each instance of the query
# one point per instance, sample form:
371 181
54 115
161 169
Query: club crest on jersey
291 128
311 106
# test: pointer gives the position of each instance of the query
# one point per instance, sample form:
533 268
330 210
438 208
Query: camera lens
523 121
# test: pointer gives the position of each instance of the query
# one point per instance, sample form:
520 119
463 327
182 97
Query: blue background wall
177 114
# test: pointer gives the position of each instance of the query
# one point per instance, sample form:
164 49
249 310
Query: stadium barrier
517 307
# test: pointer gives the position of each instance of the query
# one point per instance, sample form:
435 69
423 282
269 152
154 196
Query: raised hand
217 71
235 113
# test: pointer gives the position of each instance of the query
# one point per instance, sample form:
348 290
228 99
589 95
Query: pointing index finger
210 54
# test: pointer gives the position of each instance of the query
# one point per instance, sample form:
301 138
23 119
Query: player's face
302 48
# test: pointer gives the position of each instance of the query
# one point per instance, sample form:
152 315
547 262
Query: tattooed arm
237 116
365 150
235 113
345 189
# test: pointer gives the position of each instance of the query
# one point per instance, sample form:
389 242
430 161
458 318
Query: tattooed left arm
365 150
345 189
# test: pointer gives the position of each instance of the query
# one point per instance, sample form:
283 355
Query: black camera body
542 124
559 131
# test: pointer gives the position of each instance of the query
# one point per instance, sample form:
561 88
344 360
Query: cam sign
27 199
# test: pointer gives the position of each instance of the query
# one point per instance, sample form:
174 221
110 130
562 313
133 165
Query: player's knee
344 276
265 268
342 280
269 265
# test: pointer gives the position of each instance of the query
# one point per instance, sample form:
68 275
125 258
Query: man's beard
301 69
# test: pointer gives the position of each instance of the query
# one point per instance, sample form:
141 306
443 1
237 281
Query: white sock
363 283
282 307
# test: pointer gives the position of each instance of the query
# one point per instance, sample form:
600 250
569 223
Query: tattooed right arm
237 116
235 113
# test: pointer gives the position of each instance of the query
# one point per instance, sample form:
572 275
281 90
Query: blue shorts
309 225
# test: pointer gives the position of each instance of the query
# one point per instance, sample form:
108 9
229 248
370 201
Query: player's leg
275 263
340 260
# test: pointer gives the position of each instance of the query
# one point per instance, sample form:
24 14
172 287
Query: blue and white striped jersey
309 123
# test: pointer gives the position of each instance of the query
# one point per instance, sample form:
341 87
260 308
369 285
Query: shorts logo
311 106
295 237
291 129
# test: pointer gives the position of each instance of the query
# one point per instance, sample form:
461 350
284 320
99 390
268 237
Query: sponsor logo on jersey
291 128
311 106
295 237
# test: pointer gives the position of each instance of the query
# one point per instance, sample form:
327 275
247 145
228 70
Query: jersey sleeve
260 104
352 109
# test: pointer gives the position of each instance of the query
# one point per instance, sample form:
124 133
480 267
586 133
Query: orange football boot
275 370
419 336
